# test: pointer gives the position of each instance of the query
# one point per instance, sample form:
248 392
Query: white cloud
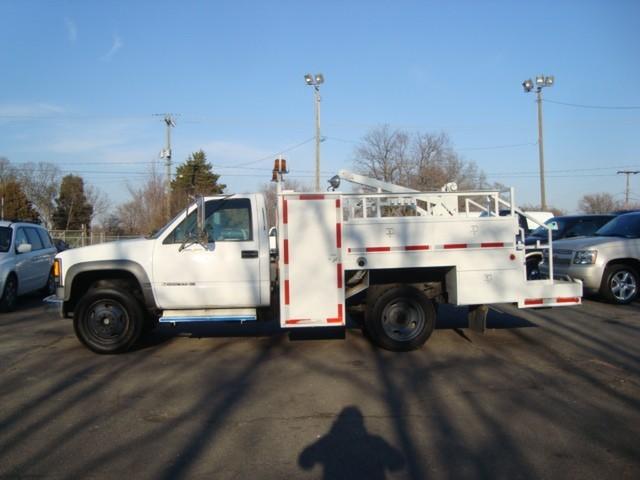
115 47
72 31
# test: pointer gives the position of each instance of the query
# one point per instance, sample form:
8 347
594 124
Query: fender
129 266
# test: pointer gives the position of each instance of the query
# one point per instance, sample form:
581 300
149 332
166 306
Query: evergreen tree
73 210
15 204
194 177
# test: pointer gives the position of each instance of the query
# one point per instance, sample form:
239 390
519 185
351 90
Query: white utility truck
393 254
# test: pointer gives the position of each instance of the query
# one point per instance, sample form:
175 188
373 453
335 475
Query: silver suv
26 257
608 263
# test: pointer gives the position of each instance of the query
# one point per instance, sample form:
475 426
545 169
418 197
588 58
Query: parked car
525 224
60 245
565 226
608 263
26 257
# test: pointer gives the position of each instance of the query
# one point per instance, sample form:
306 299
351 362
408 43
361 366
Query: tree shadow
349 451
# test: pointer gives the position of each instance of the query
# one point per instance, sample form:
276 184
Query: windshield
627 226
5 239
557 226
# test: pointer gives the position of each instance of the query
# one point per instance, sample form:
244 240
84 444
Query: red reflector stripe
378 249
311 196
294 321
492 244
339 235
534 301
454 245
285 213
340 312
416 247
334 320
339 275
568 299
338 203
286 252
286 292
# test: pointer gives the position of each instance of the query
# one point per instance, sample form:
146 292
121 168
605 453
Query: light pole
315 81
528 85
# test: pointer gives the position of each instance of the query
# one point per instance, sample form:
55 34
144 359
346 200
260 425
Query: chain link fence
80 238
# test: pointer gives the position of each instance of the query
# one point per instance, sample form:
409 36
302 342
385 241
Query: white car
26 258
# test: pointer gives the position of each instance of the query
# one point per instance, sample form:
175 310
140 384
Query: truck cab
210 262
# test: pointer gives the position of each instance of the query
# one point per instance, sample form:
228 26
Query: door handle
249 254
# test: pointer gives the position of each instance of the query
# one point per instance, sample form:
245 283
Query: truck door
223 272
311 276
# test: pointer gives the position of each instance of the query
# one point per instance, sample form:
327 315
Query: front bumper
591 275
53 304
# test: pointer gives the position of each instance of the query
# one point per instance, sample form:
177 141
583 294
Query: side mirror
24 248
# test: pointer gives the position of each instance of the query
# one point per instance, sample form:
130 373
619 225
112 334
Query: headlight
585 257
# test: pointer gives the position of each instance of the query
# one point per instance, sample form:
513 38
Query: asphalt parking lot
551 393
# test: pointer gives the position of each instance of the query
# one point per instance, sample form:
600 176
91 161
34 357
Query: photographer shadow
349 451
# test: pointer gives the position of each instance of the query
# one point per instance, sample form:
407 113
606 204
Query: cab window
226 220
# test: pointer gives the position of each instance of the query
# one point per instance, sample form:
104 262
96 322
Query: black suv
566 226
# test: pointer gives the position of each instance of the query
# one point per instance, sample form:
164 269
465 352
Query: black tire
9 294
50 286
400 319
108 320
619 284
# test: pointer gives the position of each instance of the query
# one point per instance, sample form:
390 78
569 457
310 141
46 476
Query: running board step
230 315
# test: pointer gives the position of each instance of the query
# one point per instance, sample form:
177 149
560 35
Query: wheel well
632 262
430 281
102 278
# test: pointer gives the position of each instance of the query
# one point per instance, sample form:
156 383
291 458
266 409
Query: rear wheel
9 294
401 319
620 284
108 320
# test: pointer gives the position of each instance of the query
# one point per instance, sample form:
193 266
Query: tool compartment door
311 290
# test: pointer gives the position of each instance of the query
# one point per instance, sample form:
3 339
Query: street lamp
541 81
315 81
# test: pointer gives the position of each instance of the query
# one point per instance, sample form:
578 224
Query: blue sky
80 82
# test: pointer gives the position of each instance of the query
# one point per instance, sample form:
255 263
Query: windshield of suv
627 226
557 226
5 239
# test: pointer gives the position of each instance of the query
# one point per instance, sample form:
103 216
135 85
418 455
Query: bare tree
599 203
382 154
41 183
425 161
144 213
100 202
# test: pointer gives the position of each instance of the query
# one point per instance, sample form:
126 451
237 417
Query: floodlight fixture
308 78
549 81
540 80
319 78
527 85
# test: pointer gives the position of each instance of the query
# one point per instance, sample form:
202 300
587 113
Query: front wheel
9 294
108 320
401 319
620 284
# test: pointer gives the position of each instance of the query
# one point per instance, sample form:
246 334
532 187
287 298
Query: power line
595 107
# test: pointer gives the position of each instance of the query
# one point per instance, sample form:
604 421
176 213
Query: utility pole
166 154
626 191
